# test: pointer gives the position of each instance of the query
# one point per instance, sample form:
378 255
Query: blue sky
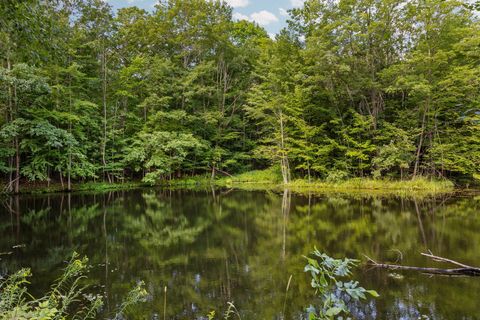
271 14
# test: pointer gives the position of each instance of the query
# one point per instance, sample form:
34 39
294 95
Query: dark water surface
212 247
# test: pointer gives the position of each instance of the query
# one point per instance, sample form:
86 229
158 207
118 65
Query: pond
210 247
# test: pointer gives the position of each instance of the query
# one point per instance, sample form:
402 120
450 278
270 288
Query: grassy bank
80 187
272 177
418 184
267 179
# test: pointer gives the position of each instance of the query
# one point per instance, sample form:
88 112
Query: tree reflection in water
213 246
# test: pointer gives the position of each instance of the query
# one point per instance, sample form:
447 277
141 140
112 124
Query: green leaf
333 311
373 293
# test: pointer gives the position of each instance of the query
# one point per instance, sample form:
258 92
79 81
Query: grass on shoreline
417 184
272 177
80 187
266 179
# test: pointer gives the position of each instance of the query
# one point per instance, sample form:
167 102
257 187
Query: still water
211 247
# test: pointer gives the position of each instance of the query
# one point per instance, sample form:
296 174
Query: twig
441 259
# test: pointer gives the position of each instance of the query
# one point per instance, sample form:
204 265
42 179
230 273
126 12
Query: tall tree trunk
69 181
425 113
9 118
17 166
420 144
283 154
104 102
213 172
61 179
17 146
10 174
69 166
308 172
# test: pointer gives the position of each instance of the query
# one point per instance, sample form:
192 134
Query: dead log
464 269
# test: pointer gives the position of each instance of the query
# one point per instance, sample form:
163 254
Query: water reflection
213 246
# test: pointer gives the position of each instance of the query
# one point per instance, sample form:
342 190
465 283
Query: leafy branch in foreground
66 298
326 273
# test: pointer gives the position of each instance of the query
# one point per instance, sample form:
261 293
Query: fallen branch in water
464 270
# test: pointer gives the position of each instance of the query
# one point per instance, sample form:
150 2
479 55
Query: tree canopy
381 88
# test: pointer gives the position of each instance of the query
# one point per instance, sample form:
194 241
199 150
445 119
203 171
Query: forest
382 89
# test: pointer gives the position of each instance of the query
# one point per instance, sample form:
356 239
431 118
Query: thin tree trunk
10 174
17 147
424 118
12 105
309 176
61 179
17 166
213 173
69 166
9 118
284 158
69 182
104 100
420 144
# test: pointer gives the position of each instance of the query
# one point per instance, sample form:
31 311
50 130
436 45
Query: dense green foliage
349 89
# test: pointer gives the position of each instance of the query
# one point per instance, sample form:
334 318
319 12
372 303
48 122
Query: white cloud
134 1
297 3
239 16
238 3
283 12
263 17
